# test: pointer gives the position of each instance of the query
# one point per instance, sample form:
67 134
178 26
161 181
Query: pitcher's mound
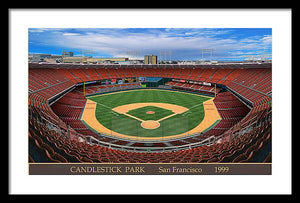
150 124
150 112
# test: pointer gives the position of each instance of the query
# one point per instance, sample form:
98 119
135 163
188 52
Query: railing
250 125
92 140
250 88
208 141
44 88
244 100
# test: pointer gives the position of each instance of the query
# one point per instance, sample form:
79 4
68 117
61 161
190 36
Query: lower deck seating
59 148
57 135
194 87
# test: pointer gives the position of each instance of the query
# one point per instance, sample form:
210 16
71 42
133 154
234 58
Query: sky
221 44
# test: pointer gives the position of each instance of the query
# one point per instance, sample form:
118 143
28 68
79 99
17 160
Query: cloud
70 34
184 43
35 30
42 30
267 39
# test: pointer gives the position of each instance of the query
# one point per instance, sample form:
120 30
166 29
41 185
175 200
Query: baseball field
149 114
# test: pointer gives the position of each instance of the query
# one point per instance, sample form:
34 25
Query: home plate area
150 114
150 124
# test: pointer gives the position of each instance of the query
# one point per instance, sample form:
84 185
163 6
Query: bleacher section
193 87
56 133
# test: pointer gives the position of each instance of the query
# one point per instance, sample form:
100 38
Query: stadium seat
252 85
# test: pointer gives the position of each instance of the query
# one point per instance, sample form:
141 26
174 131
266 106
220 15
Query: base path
210 117
172 107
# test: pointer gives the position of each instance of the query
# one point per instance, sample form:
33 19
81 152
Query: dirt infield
211 116
150 124
172 107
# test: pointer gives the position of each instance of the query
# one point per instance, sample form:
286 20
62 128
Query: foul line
108 108
187 112
133 117
169 116
209 119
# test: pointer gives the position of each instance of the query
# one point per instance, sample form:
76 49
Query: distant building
186 62
102 60
53 59
74 59
38 57
136 62
151 59
67 54
90 60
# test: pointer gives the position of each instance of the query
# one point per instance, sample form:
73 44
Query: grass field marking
164 118
108 108
133 117
169 116
196 105
104 105
150 112
172 107
90 118
95 124
188 112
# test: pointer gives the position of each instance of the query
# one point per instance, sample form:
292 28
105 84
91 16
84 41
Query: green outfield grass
174 125
142 113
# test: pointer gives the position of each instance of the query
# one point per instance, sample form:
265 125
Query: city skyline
222 44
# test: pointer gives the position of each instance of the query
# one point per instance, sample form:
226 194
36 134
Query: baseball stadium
150 113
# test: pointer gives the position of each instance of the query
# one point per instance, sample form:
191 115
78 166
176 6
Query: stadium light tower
170 54
137 53
249 57
129 54
265 56
160 53
87 52
133 54
210 50
165 53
